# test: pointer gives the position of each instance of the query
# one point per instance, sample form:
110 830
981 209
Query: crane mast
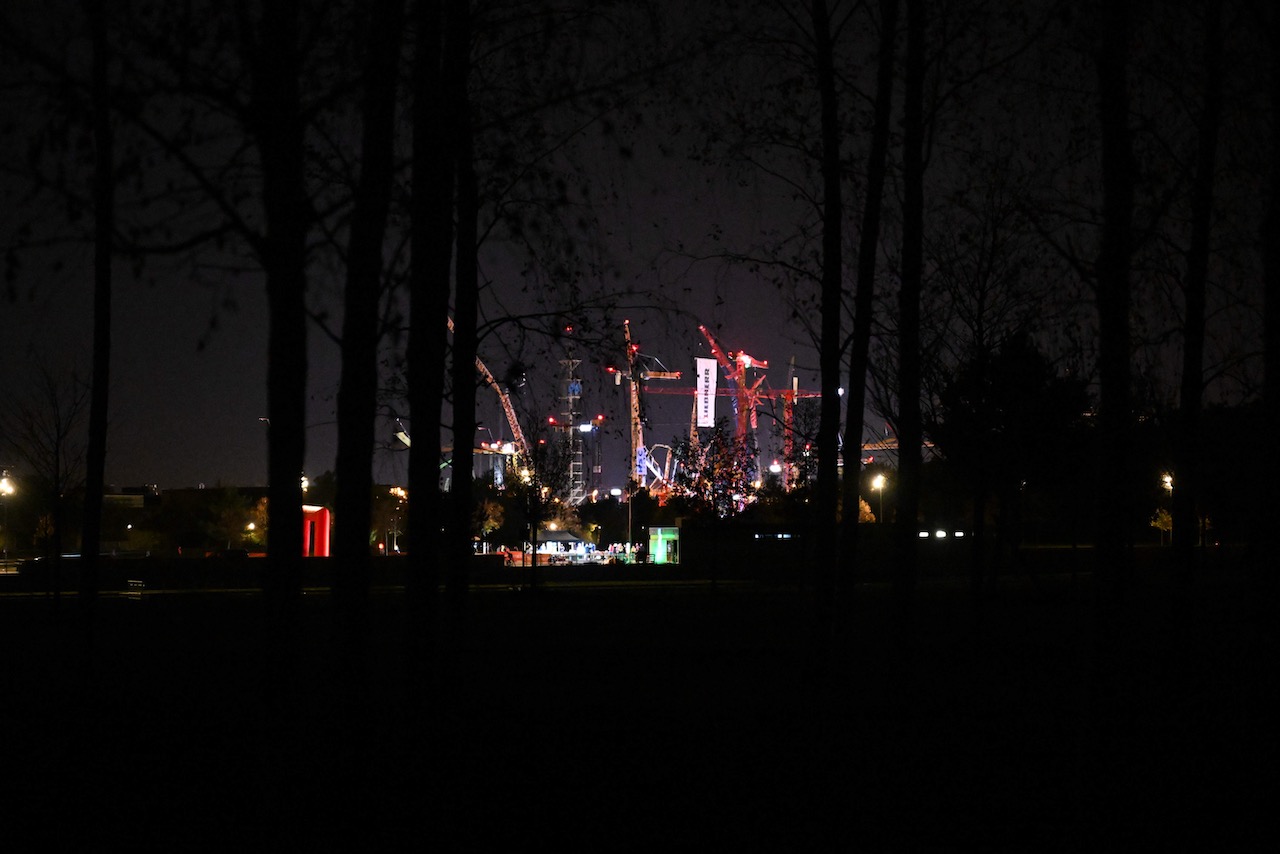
638 453
572 394
517 435
638 374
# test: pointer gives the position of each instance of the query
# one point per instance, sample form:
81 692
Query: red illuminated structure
316 522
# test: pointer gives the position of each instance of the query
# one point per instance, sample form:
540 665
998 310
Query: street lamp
1166 480
877 483
6 490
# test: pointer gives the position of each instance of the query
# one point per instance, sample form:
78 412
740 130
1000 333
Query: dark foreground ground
664 718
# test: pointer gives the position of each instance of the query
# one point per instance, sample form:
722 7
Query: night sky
189 355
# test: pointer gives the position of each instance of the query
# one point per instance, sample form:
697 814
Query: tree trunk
910 428
1267 585
1186 487
864 293
1271 275
830 308
357 392
466 298
103 228
1109 713
1114 258
278 129
431 226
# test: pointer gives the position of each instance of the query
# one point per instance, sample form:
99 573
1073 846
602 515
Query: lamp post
1166 480
877 483
6 490
400 494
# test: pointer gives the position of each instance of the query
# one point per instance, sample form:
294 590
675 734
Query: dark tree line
978 208
1035 225
235 141
931 157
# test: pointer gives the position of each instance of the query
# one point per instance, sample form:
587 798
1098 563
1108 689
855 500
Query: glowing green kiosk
664 545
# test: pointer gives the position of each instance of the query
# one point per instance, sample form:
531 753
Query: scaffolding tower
570 413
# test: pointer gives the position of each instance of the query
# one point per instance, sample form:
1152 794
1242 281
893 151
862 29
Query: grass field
667 718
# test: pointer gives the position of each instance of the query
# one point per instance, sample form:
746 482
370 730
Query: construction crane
748 391
735 365
517 435
641 465
748 395
888 443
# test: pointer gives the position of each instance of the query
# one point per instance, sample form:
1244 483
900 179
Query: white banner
706 392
